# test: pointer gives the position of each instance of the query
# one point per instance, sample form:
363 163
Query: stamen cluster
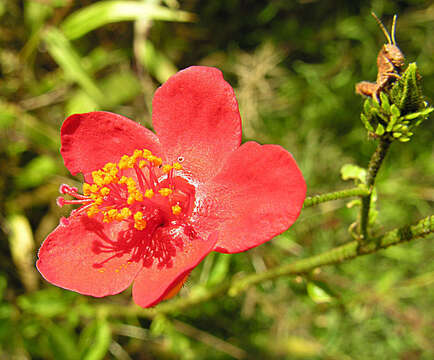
123 191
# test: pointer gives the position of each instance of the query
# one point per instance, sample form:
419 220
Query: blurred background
293 65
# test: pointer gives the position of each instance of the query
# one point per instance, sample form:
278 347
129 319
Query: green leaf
367 106
80 102
31 128
124 80
220 270
160 325
366 122
36 172
318 294
375 104
385 105
67 58
95 340
406 93
350 171
47 303
62 342
156 62
35 14
380 130
105 12
395 111
422 113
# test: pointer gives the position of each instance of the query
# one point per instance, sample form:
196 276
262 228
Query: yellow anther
98 201
94 188
99 180
122 180
137 153
131 183
92 211
109 166
131 162
149 193
142 164
123 162
126 212
138 196
138 216
113 172
86 189
165 191
140 225
120 217
139 222
131 199
112 213
167 168
156 161
176 209
108 179
104 191
177 166
146 153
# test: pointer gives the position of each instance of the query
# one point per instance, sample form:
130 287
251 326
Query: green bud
400 110
406 93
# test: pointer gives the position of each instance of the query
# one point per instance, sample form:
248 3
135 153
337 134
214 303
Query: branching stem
362 190
374 165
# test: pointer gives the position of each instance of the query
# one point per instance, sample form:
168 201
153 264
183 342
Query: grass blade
67 58
106 12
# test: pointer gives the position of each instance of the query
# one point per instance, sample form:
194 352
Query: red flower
153 206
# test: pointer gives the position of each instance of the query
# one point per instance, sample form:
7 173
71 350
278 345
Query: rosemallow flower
153 206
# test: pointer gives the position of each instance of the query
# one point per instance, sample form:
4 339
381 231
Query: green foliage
354 172
400 110
95 340
105 12
294 71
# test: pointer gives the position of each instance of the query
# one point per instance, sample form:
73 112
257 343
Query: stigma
137 189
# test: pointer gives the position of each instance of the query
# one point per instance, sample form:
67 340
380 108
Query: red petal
156 281
89 257
196 117
257 195
91 140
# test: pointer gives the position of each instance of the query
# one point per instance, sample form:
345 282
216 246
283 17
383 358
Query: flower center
139 189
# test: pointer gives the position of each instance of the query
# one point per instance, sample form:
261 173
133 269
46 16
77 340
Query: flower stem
339 254
362 190
374 165
236 286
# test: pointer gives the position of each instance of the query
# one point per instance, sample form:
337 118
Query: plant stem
339 254
374 165
318 199
236 286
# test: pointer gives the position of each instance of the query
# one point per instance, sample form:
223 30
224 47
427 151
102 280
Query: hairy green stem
339 254
374 165
362 190
236 286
